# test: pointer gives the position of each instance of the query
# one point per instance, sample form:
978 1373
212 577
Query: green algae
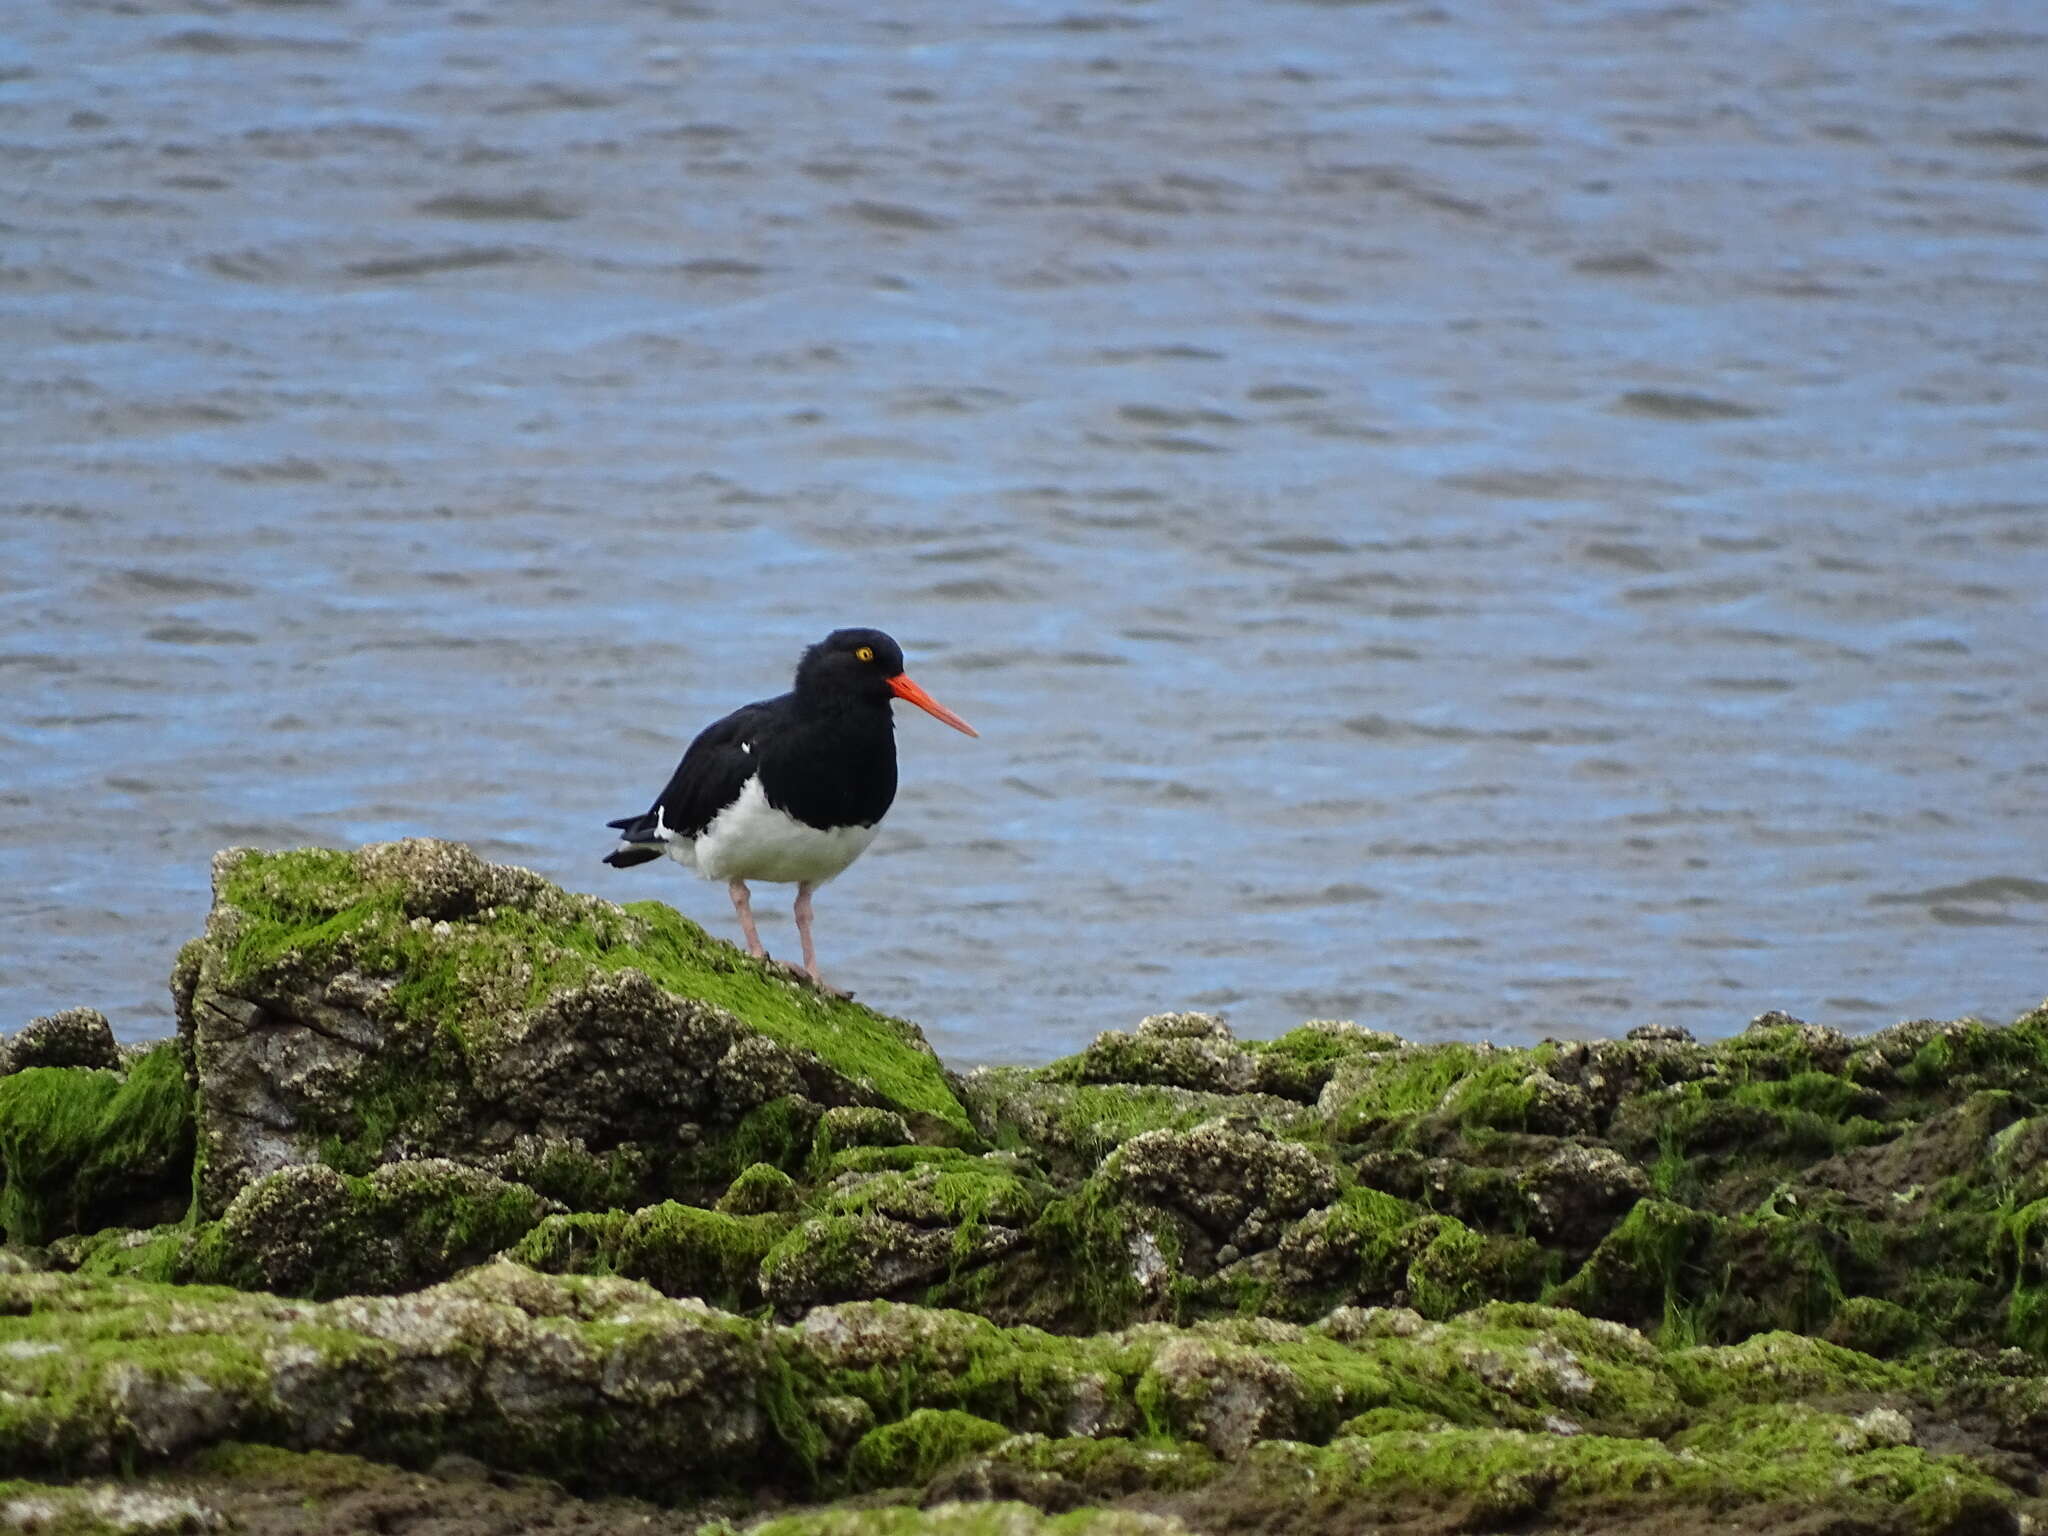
1388 1091
778 1133
855 1125
919 1227
1300 1063
977 1519
1647 1269
1459 1268
79 1143
300 908
308 1230
680 1250
1505 1412
584 1383
1513 1364
1780 1368
153 1254
2026 1235
759 1189
887 1160
1495 1477
918 1445
1102 1469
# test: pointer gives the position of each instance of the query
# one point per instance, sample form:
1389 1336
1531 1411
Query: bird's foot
808 978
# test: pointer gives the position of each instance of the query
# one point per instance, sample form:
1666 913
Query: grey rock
75 1037
1231 1182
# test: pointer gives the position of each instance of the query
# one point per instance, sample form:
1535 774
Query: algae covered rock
1519 1413
955 1518
309 1230
411 1000
571 1190
901 1232
86 1147
1231 1185
601 1383
681 1250
761 1188
1072 1126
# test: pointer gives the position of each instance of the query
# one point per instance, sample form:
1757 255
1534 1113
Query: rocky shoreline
464 1203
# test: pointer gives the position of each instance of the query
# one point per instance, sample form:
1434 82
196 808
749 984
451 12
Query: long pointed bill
909 692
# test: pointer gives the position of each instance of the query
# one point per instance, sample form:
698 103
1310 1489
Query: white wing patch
751 840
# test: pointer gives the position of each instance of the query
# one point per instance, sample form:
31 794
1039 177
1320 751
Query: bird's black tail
641 839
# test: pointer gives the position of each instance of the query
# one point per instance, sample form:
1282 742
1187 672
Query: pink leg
742 904
803 931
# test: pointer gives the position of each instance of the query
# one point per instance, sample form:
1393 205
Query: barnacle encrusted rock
899 1232
590 1379
733 1235
75 1037
608 1386
411 1000
1231 1184
309 1230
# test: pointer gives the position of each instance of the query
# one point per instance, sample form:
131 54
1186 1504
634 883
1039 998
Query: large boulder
410 1000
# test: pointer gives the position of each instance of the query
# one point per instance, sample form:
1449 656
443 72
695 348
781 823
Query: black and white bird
788 789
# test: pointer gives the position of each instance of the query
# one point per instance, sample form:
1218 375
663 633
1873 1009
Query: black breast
832 770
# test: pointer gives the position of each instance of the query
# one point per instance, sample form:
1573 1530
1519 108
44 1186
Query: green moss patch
308 1230
918 1445
681 1250
470 966
83 1148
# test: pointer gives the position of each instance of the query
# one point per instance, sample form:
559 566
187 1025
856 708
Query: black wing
708 779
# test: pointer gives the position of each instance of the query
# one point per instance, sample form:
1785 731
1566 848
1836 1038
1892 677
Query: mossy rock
681 1250
83 1148
760 1189
1072 1126
909 1452
410 1000
310 1231
601 1382
1508 1412
902 1232
971 1519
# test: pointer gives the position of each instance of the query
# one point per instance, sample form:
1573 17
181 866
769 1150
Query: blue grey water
1489 520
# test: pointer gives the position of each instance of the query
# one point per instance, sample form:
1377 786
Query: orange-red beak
905 689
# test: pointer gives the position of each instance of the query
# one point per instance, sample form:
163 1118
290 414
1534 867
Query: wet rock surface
471 1178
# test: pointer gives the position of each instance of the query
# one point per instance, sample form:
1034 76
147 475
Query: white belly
751 840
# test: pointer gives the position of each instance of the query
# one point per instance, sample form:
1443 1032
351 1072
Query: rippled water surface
1496 519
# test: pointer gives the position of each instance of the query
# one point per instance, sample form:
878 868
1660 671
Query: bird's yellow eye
864 653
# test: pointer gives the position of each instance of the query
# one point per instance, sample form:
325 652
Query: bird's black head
867 666
851 663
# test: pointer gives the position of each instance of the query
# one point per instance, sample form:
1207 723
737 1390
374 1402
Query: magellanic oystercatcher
790 788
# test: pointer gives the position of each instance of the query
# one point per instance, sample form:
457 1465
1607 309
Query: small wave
143 581
1684 405
1988 888
897 216
427 263
532 203
198 634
